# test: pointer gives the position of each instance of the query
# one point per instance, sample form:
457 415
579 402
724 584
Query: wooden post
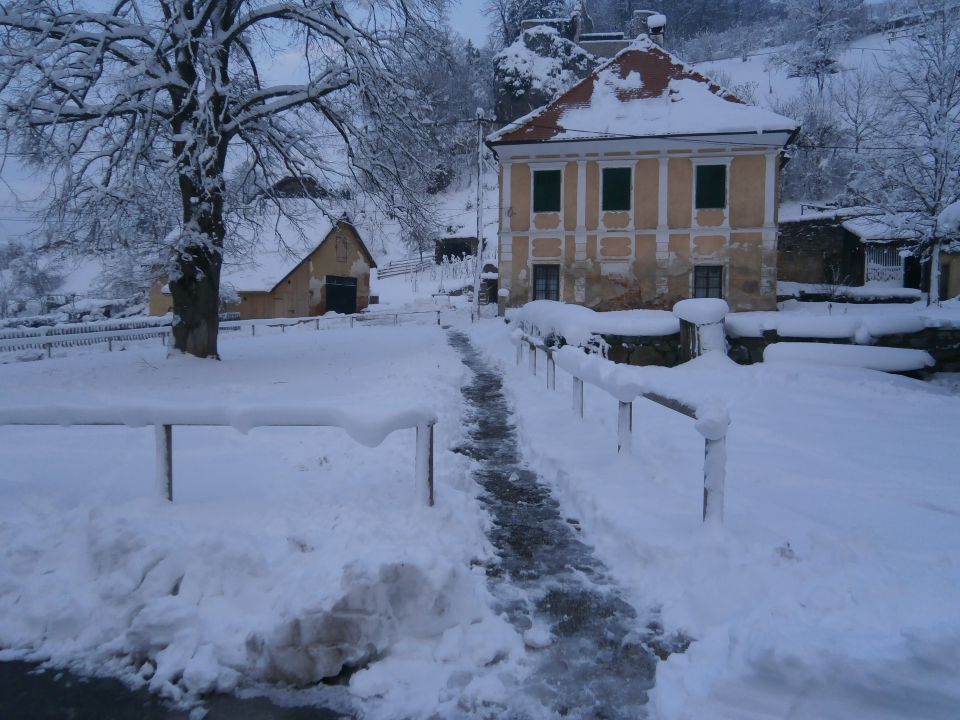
625 428
424 462
714 478
163 339
396 319
438 317
551 372
165 461
283 328
316 324
110 344
533 359
48 346
351 321
578 396
253 330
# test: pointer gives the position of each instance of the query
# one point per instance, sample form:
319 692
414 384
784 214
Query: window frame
545 168
721 269
603 186
712 162
555 267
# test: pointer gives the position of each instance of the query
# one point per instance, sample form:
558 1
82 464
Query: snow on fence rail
711 421
362 318
48 341
242 418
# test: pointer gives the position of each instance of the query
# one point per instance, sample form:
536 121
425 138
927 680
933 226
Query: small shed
293 272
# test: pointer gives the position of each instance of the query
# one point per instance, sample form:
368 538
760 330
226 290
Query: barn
291 271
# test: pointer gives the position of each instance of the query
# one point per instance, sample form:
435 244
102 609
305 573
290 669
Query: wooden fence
243 419
713 430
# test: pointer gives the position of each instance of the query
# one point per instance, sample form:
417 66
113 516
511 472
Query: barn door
341 294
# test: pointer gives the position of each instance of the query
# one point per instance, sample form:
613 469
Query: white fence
243 419
709 422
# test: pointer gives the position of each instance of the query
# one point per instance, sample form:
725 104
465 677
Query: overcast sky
467 19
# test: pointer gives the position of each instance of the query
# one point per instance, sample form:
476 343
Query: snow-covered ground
832 591
286 552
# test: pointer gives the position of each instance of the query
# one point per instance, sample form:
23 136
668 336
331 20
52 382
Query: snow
287 551
688 106
871 358
879 229
831 590
701 311
949 221
577 324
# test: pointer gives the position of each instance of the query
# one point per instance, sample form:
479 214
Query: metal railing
712 429
242 419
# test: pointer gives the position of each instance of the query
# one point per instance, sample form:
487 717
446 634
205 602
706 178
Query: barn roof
277 249
643 91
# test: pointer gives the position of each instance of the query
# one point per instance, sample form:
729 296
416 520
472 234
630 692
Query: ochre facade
643 257
303 292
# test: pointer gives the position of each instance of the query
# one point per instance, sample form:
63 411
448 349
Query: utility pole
479 256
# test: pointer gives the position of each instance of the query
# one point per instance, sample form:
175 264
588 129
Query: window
546 282
616 189
546 190
708 281
711 191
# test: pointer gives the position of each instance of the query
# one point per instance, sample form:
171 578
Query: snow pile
871 358
288 553
577 324
701 311
831 591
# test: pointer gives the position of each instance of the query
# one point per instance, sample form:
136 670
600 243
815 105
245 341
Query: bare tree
167 96
915 176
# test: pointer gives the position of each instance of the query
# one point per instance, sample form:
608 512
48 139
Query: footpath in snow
592 655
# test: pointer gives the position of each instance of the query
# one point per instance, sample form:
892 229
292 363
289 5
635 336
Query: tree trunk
196 292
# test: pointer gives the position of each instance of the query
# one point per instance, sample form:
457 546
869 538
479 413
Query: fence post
316 324
519 352
533 359
424 462
253 330
396 319
714 478
48 346
578 396
110 344
438 317
551 371
351 321
625 428
163 339
164 435
283 328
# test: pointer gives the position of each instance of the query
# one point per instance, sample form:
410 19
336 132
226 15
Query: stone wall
659 350
943 344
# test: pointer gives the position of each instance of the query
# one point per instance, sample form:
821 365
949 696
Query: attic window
546 190
711 190
341 249
616 189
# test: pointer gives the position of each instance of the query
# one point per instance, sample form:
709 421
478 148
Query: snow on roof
642 91
266 254
885 228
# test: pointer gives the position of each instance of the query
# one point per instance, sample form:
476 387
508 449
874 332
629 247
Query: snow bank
288 554
870 358
577 324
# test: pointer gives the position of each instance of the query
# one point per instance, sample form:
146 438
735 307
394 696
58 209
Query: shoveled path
600 663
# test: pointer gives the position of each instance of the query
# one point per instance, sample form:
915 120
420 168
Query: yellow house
293 274
642 185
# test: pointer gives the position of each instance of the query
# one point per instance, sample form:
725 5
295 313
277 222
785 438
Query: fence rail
403 267
242 419
74 339
713 428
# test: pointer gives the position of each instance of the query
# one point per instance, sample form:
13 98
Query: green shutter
616 189
546 190
711 187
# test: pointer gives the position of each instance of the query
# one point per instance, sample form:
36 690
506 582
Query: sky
467 19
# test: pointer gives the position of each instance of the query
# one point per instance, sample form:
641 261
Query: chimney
657 25
650 22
